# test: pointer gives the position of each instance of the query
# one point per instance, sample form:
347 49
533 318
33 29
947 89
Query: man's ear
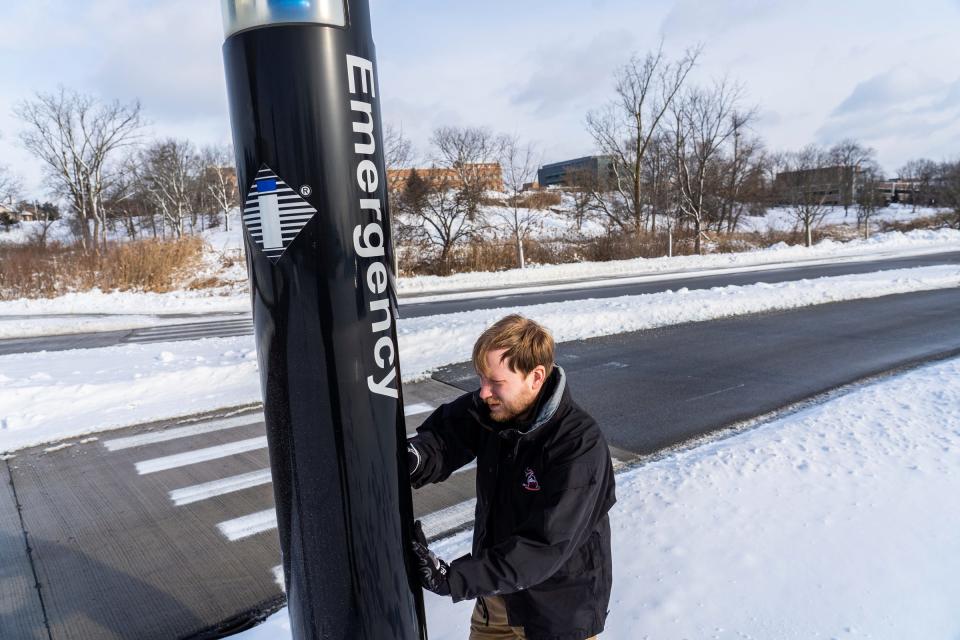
539 374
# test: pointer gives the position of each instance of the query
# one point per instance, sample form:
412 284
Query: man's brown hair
527 345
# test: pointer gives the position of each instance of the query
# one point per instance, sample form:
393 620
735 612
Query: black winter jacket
541 537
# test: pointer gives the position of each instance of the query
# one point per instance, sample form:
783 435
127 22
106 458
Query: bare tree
740 174
167 172
121 198
397 154
853 158
805 184
948 180
472 154
44 214
582 187
76 136
519 162
703 121
869 198
218 178
10 186
657 177
444 216
920 173
624 129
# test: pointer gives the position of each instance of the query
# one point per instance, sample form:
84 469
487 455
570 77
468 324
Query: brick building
489 175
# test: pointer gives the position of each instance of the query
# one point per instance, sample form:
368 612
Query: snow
878 246
26 232
838 521
49 396
783 219
96 310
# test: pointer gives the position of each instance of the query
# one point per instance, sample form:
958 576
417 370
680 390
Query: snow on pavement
34 326
96 310
879 246
128 310
48 396
839 521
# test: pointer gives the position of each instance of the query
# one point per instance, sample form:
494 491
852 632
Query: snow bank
879 246
16 315
49 396
839 521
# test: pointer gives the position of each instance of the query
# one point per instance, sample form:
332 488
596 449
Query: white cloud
167 54
903 113
696 20
565 75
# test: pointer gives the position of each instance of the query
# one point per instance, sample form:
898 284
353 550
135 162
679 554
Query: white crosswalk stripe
417 409
201 455
198 492
191 330
448 519
185 431
246 526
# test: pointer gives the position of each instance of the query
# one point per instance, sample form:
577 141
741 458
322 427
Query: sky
817 71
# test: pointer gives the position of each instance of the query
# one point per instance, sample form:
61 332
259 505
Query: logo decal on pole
274 214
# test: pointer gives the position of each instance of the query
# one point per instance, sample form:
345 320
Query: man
541 564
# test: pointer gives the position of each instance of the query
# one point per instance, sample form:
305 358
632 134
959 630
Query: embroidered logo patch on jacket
530 484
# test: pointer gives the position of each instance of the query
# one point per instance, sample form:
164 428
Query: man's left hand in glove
433 570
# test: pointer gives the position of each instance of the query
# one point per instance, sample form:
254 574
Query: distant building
562 173
489 175
902 191
828 185
8 215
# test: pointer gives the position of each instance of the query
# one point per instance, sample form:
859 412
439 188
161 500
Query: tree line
683 157
98 164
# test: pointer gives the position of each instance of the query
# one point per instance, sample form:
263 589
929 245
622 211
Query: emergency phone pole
305 113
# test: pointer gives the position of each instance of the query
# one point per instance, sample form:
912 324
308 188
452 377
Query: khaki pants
497 629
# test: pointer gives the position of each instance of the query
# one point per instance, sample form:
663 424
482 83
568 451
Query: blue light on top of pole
247 14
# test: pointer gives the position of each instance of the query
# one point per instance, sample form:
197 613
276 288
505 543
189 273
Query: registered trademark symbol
305 191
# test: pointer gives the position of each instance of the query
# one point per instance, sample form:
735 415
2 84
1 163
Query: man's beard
509 411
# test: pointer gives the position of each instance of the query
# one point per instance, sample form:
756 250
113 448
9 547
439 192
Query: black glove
433 570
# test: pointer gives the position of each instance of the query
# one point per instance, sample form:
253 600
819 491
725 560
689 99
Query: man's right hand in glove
433 570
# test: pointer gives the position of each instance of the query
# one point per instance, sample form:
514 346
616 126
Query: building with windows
567 172
827 185
488 175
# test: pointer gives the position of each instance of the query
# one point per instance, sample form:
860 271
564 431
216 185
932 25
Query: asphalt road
653 389
196 327
677 282
145 539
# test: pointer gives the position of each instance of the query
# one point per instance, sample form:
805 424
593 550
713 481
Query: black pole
305 112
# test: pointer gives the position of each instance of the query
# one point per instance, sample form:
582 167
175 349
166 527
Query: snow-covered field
783 219
100 311
49 396
839 521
